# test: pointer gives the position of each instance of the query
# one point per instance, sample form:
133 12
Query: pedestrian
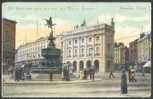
51 76
30 76
16 75
64 71
90 73
85 74
93 74
19 74
133 76
62 75
143 72
124 83
81 74
11 73
129 74
68 73
111 75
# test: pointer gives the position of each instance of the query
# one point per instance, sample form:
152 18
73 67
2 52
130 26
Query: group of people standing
20 74
87 74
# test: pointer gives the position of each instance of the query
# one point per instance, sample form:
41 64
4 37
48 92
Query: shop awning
147 64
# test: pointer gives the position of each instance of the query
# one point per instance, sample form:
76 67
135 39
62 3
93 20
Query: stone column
78 70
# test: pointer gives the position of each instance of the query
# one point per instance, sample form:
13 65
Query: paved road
78 88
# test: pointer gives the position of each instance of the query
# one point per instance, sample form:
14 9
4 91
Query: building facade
121 55
133 51
144 48
127 55
82 47
88 46
31 52
8 41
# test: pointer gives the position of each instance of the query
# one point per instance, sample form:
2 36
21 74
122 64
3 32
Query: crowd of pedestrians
87 74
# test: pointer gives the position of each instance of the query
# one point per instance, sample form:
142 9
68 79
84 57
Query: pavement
91 89
44 78
102 86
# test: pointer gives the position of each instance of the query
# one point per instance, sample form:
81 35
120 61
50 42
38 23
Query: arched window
81 65
88 64
90 39
96 65
74 66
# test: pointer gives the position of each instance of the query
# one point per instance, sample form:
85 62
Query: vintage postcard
81 49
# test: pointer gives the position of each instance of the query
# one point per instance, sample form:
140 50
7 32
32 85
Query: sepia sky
130 18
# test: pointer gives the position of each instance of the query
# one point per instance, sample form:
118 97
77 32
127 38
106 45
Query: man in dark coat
67 73
124 83
92 73
85 74
16 75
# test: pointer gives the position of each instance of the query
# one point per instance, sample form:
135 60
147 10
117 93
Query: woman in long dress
81 75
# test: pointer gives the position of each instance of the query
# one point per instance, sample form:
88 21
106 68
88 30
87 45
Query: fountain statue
51 53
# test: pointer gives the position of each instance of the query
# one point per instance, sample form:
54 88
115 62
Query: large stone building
133 51
87 46
144 48
31 53
8 41
140 49
121 55
82 47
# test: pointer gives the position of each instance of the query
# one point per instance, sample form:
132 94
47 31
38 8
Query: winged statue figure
49 22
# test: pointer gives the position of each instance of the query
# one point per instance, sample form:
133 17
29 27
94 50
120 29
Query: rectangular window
82 52
75 41
82 40
97 38
97 51
69 53
69 42
75 52
90 51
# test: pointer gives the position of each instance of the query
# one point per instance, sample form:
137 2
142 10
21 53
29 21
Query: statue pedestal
53 58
